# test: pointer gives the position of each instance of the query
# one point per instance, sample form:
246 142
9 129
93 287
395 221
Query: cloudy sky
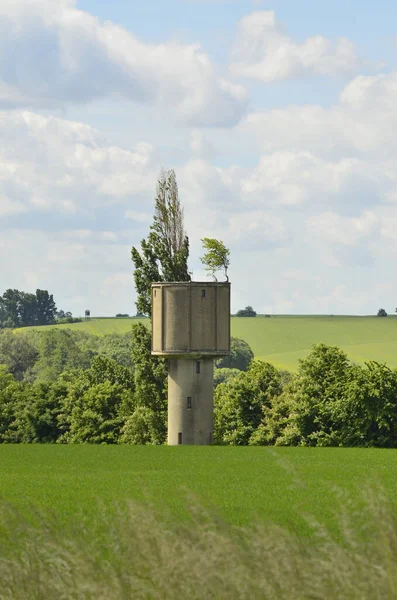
279 118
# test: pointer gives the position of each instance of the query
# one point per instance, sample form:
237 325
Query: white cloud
51 164
254 226
348 231
61 55
263 51
369 92
295 178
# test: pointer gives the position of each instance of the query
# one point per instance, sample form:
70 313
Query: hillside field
240 484
283 340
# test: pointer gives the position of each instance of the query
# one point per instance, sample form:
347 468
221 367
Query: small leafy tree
216 257
382 313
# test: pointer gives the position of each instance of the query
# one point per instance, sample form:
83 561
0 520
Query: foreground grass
283 340
121 522
129 553
243 485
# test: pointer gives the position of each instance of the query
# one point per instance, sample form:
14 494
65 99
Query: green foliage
317 390
59 351
46 353
20 309
45 308
11 394
36 418
92 415
248 311
164 255
144 426
18 353
333 403
98 401
367 414
117 346
382 313
239 403
150 378
216 257
146 271
240 356
66 320
224 375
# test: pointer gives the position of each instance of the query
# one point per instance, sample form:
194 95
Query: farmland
283 340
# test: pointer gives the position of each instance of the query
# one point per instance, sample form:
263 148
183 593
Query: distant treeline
66 386
23 309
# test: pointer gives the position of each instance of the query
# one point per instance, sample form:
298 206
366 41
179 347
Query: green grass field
212 522
242 485
283 340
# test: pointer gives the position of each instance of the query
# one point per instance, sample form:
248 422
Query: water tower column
190 401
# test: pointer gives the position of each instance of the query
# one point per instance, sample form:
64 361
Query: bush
382 313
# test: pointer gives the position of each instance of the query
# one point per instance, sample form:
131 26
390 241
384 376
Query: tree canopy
248 311
21 309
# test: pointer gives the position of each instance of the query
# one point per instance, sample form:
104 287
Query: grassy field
125 522
279 485
282 340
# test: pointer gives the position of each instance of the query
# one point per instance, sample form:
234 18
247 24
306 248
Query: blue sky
279 119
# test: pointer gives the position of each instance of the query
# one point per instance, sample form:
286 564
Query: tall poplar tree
163 255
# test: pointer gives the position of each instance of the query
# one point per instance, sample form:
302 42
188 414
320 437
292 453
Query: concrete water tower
190 327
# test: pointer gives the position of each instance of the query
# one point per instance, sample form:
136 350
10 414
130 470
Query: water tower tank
190 319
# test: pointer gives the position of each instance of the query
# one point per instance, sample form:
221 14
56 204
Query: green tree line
96 395
22 309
